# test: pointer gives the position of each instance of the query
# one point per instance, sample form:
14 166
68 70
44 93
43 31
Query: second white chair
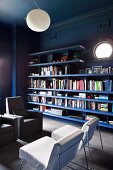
88 128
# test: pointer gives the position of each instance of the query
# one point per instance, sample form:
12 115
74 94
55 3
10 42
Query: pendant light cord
36 4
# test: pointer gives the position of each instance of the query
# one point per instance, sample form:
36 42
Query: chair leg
85 154
100 138
89 167
21 164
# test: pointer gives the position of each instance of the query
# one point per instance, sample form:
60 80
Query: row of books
37 83
106 85
60 102
58 84
97 106
53 70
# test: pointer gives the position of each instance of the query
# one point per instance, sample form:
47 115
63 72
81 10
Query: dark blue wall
5 64
27 42
15 44
85 29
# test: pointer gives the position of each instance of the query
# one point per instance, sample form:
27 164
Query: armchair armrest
38 115
12 121
19 122
9 120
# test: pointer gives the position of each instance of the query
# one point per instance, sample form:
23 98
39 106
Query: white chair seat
38 152
49 154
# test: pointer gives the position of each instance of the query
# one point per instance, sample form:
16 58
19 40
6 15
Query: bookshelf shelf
62 85
72 98
72 91
103 124
56 63
73 75
62 50
71 108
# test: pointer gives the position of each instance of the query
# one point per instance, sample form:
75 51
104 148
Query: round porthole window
103 50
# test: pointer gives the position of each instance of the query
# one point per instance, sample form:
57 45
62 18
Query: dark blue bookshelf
73 73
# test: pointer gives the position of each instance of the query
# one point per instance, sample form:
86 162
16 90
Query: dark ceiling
15 11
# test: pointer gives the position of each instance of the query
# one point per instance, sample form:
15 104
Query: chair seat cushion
5 128
38 152
63 132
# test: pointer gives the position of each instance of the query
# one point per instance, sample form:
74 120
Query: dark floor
9 159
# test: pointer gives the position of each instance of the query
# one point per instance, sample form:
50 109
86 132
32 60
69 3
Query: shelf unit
59 89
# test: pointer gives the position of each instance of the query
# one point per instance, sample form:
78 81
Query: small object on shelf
111 122
102 107
89 117
76 56
57 111
105 70
89 70
64 58
34 61
97 69
82 71
36 108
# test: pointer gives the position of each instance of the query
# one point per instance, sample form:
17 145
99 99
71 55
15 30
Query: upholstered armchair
8 130
88 129
28 123
49 154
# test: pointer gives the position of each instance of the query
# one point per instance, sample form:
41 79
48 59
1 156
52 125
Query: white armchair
49 154
88 128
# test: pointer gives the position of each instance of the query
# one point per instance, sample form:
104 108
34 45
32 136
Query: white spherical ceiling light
103 50
38 20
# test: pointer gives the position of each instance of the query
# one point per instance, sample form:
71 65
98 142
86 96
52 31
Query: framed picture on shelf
97 69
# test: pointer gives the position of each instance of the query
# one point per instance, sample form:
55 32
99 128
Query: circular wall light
103 50
38 20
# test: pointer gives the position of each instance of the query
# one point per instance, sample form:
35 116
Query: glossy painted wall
15 45
27 42
5 64
85 29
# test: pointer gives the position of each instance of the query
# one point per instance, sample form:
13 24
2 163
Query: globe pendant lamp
38 20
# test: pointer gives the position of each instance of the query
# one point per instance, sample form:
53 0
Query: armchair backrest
14 104
65 150
89 128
